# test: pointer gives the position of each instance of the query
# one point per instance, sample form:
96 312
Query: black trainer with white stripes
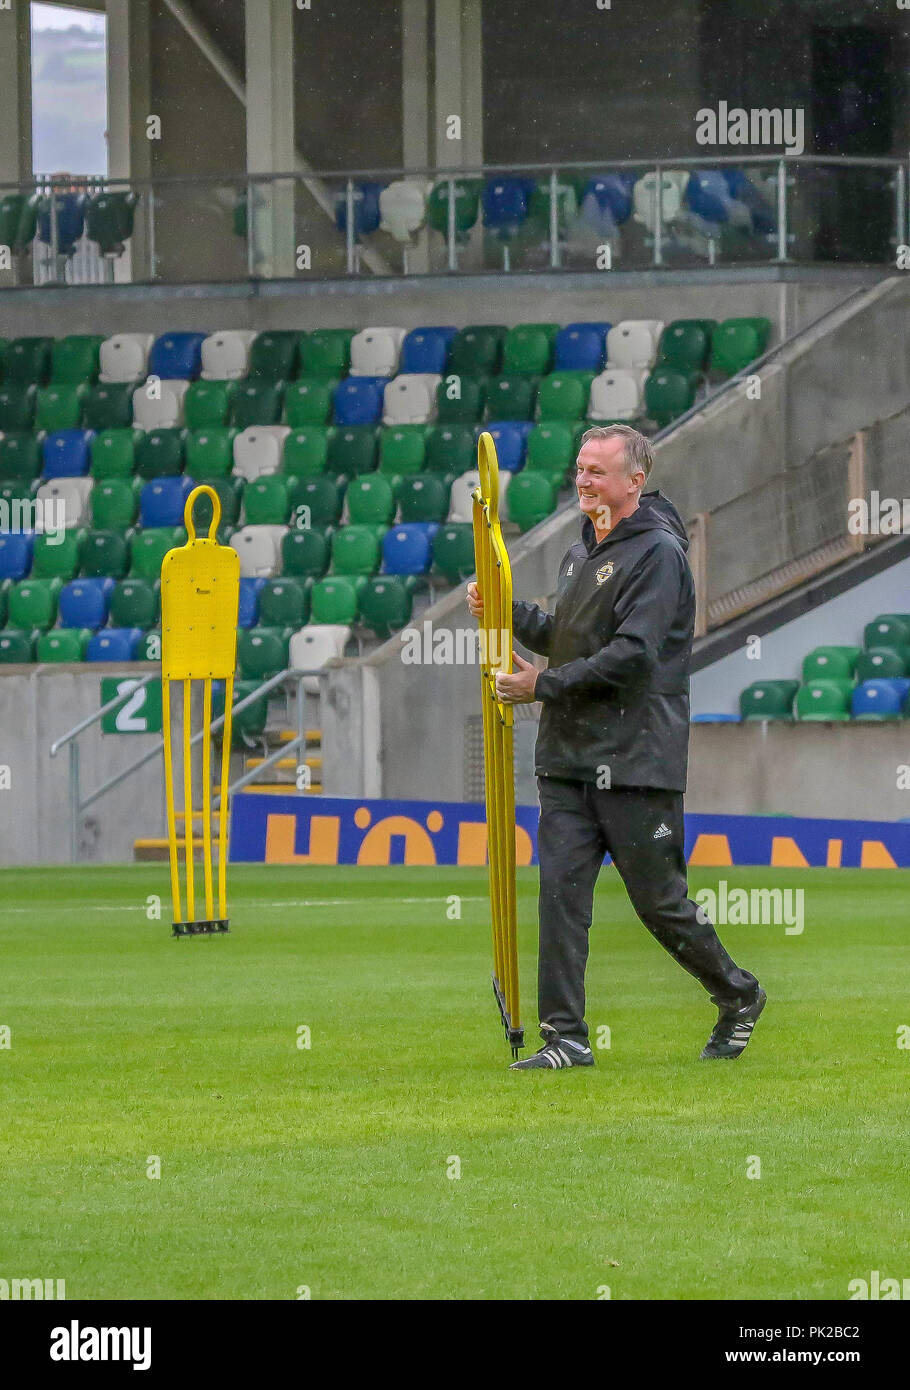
556 1052
733 1028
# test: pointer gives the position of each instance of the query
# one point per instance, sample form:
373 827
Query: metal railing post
658 216
55 235
781 210
153 250
900 205
450 225
554 222
75 802
349 225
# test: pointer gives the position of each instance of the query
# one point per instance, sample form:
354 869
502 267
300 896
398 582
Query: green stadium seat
5 586
159 453
402 449
108 406
564 395
511 398
250 721
467 204
459 399
371 500
284 602
356 550
451 450
352 450
109 219
230 495
33 604
74 359
58 407
477 351
323 496
16 647
105 554
63 644
423 497
305 553
881 663
148 549
551 449
262 652
306 451
114 504
274 356
308 402
18 222
453 551
668 394
20 457
738 342
768 700
685 345
27 361
531 497
134 603
326 353
17 407
528 349
256 402
13 495
265 501
56 561
210 452
888 630
386 603
113 453
826 662
824 701
207 404
335 599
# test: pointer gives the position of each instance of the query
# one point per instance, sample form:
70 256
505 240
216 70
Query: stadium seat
158 403
477 351
685 345
265 501
230 493
465 195
32 604
108 407
326 353
736 343
63 227
511 439
226 355
248 601
532 497
284 602
875 700
134 603
109 219
826 663
880 663
114 504
423 497
308 402
356 550
314 646
20 457
17 406
27 361
148 549
402 450
58 407
322 496
375 352
62 644
673 183
386 604
459 399
358 400
259 548
616 394
581 347
334 600
410 400
551 449
56 558
16 647
85 602
633 343
824 701
461 506
668 394
453 551
18 221
124 357
408 548
425 350
403 208
306 451
113 453
768 700
210 452
176 356
159 453
258 450
161 501
352 451
104 553
366 209
450 449
114 644
15 554
70 494
370 500
275 355
207 404
66 454
505 207
305 552
887 630
511 398
563 396
528 349
606 202
257 402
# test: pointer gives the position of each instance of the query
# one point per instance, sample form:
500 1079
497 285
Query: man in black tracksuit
613 745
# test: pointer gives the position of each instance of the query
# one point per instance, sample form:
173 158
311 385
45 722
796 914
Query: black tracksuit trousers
579 823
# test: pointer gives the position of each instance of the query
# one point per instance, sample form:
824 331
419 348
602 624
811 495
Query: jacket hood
654 512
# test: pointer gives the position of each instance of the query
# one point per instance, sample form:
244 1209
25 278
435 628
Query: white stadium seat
258 449
616 394
633 343
375 351
313 646
73 493
158 405
226 355
410 399
403 208
125 357
461 505
673 184
259 548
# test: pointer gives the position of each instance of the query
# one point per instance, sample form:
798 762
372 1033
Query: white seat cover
616 394
410 399
403 208
158 404
72 492
125 356
461 505
258 450
226 354
313 646
259 548
633 343
375 351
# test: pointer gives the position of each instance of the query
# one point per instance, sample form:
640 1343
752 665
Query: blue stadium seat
581 347
15 554
161 501
408 549
114 644
505 206
70 209
764 221
366 209
708 195
882 699
177 356
426 350
358 400
511 438
67 453
85 602
606 201
248 608
716 719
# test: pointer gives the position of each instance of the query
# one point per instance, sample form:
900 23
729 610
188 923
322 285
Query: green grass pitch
329 1166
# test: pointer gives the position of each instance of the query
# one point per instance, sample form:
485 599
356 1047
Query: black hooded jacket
616 693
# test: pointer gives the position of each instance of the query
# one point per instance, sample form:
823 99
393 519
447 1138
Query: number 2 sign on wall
139 714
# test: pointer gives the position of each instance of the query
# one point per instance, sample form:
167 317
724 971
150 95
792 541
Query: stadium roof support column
415 102
270 134
15 104
459 84
128 107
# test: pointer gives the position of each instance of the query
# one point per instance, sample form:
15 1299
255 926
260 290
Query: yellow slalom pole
207 795
188 801
223 803
173 852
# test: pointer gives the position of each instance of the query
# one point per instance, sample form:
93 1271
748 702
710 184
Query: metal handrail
99 714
